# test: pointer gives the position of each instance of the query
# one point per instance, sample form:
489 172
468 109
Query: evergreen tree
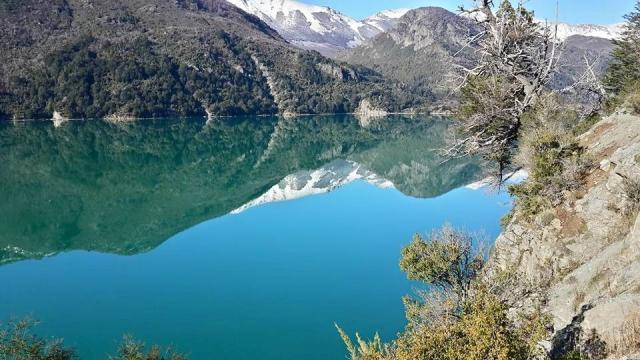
624 72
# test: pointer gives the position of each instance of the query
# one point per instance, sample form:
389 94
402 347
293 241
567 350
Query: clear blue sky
573 11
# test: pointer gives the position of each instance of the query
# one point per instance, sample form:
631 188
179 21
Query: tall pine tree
624 71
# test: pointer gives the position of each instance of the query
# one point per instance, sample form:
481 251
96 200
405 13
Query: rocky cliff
584 255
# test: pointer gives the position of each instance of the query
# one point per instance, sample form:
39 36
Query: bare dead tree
517 57
589 86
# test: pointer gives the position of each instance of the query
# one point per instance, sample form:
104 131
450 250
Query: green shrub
17 342
586 124
447 260
557 164
633 100
529 198
447 324
130 349
482 330
364 350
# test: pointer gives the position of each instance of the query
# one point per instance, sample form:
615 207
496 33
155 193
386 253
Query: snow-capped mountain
306 183
386 20
309 26
566 30
609 32
328 31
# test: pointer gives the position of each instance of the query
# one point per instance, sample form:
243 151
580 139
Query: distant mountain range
326 30
423 48
318 28
160 58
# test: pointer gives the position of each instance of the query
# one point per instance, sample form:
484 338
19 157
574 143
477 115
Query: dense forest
166 58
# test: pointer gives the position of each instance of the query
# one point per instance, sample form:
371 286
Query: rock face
585 254
366 112
575 50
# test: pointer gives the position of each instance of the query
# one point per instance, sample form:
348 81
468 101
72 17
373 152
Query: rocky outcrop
584 255
58 119
366 112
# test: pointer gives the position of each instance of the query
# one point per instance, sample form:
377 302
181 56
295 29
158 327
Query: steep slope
149 58
309 26
584 255
421 51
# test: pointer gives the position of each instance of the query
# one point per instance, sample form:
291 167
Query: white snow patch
286 10
565 30
386 19
514 178
610 32
315 182
294 20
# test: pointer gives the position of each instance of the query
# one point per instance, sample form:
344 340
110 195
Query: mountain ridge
310 26
428 45
328 31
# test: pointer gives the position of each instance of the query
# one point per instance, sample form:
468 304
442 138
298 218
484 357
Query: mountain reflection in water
125 188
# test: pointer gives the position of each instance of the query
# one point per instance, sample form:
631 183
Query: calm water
175 231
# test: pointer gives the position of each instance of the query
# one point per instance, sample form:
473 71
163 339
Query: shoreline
134 119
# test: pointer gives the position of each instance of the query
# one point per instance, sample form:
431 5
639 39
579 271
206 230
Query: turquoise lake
242 238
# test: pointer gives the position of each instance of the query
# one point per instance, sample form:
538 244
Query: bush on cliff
459 315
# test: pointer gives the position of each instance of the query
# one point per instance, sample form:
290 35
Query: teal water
128 229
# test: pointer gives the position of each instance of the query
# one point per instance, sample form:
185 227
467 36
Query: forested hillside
84 58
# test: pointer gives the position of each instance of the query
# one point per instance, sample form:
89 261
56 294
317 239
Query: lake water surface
234 239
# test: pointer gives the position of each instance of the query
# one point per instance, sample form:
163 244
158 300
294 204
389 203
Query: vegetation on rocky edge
459 315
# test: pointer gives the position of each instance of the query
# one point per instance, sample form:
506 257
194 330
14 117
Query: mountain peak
387 19
310 26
